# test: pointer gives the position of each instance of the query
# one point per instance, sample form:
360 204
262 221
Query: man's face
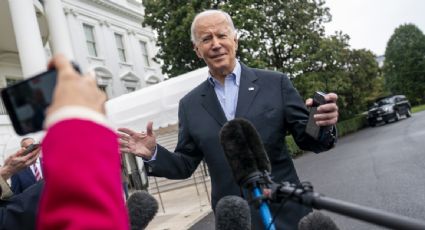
27 142
216 44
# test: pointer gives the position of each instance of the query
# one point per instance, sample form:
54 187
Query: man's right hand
140 144
18 161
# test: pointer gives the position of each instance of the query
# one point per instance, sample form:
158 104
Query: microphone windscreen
255 144
142 208
237 150
232 213
316 221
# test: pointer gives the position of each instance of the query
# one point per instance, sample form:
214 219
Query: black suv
388 108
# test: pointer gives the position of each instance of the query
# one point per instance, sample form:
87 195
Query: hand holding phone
312 128
30 148
26 101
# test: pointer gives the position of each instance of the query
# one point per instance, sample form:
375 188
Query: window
102 87
120 47
11 81
90 41
104 80
130 89
145 53
130 82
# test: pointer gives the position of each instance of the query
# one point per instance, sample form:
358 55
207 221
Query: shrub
343 127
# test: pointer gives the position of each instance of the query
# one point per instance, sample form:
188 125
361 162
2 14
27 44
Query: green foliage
278 34
273 34
404 65
286 36
172 20
352 74
293 148
344 127
418 108
351 125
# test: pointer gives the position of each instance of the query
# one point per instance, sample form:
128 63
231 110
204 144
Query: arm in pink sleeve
83 187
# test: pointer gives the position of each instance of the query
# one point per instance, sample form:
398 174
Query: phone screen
26 101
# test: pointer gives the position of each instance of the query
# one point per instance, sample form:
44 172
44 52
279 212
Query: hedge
343 127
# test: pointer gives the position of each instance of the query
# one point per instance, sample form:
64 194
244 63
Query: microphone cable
304 186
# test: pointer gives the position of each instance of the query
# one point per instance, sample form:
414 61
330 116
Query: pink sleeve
83 188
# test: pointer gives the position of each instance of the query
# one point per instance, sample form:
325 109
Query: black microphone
243 149
142 207
232 213
249 162
316 221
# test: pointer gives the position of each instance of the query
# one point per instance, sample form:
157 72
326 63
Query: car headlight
388 109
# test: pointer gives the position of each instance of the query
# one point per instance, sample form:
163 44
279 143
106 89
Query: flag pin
251 88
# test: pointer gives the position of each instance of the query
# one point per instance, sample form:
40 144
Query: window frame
91 43
145 53
120 45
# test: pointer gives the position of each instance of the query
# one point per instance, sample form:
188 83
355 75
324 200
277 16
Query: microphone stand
306 196
254 184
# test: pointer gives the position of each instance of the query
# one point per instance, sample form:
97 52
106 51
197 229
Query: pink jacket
83 189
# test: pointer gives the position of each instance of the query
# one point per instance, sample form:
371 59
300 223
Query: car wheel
409 113
397 116
372 124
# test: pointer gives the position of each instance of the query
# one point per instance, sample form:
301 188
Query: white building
101 35
105 36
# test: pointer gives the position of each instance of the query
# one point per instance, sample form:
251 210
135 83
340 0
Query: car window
385 101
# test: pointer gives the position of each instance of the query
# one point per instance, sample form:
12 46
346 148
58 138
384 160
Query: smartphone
26 101
30 148
312 128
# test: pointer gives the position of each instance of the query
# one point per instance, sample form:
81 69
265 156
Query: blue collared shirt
227 94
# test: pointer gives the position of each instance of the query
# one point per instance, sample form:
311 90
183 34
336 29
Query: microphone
142 207
249 162
316 221
232 213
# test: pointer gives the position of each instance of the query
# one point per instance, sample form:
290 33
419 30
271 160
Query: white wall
107 17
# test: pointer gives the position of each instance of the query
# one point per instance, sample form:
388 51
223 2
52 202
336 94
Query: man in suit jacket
266 98
18 211
25 178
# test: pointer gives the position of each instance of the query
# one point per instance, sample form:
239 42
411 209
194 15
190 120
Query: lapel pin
251 88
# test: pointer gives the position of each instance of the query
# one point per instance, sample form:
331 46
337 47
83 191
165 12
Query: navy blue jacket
19 211
22 180
270 102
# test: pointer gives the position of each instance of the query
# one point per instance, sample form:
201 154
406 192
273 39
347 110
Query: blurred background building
105 36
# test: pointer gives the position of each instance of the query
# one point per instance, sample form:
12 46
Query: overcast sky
370 23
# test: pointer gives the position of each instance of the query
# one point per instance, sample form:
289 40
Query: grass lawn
418 108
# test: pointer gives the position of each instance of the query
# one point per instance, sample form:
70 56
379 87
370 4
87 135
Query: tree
273 34
404 65
287 36
365 83
172 20
352 74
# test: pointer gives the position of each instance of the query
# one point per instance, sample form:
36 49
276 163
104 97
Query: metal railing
2 108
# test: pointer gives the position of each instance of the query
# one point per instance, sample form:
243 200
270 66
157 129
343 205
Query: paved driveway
381 167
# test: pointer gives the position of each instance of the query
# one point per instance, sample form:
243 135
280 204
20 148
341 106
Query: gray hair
207 13
26 138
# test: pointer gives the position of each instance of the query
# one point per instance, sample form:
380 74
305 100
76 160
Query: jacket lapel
30 175
247 90
212 105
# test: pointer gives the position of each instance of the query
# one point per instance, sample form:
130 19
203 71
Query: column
28 38
60 39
